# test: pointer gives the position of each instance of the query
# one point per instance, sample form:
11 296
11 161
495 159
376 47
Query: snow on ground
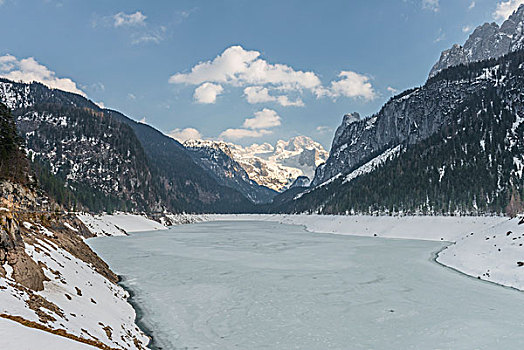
433 228
26 338
495 254
489 247
83 302
373 163
118 224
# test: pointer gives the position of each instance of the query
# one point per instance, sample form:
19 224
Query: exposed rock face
407 118
487 41
25 270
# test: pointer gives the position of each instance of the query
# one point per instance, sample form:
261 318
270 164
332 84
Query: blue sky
284 68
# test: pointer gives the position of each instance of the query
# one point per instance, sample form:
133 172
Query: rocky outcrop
487 41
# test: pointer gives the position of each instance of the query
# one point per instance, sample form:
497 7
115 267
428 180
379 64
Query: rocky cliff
487 41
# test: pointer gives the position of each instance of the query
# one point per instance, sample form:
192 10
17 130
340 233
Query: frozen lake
263 285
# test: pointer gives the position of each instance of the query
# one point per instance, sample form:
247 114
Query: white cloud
140 32
284 101
441 36
7 62
28 70
432 5
98 87
182 135
154 36
506 8
260 94
472 5
322 129
131 96
207 93
237 134
237 66
350 84
266 118
268 82
133 19
392 89
254 127
466 29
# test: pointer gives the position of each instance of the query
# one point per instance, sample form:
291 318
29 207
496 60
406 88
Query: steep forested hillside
99 159
184 185
13 164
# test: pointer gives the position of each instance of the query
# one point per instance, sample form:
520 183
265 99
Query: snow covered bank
76 299
119 224
433 228
26 338
495 254
491 248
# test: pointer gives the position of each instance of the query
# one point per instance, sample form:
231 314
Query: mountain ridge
464 155
487 41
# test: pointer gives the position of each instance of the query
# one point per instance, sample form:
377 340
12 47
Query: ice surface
263 285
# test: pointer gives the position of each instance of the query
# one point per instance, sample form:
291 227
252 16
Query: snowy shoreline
138 314
490 248
486 248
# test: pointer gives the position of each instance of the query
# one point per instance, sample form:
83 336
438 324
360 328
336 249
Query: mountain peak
487 41
275 167
351 118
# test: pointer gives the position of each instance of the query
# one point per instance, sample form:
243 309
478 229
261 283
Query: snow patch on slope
120 224
373 164
26 338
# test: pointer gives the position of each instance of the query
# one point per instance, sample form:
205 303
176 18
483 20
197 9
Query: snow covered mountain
277 166
487 41
217 159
